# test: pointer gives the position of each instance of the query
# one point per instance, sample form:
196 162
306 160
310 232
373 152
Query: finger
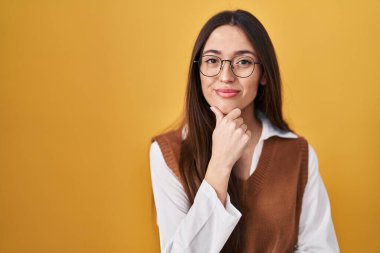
244 127
218 114
235 113
248 133
239 121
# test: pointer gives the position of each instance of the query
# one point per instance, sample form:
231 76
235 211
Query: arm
203 227
316 230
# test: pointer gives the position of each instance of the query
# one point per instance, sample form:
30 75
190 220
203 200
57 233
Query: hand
229 139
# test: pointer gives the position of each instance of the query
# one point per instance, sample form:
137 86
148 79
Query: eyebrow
240 52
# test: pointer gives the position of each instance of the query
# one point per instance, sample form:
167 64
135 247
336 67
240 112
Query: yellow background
85 84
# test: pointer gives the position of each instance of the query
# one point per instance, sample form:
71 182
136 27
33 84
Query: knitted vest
271 196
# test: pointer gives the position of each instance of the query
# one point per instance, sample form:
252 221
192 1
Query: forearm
217 176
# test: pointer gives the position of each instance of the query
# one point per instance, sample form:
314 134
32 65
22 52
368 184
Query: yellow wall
85 84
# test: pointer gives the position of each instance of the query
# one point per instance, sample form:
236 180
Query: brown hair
196 148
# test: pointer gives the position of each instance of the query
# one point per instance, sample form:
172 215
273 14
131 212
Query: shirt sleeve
203 227
316 230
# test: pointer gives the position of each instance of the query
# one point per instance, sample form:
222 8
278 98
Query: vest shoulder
297 139
170 136
291 144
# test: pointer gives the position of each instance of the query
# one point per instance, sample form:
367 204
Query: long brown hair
196 148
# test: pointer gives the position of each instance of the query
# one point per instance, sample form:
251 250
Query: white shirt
207 224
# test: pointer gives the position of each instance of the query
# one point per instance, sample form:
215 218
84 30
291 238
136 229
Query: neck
253 123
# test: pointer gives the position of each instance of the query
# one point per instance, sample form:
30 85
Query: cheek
207 89
250 92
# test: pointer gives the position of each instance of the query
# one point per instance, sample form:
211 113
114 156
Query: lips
227 93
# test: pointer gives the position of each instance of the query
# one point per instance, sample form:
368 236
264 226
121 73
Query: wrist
220 166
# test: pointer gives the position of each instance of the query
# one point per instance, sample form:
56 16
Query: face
225 90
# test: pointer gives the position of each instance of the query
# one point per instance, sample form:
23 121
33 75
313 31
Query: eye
244 62
210 60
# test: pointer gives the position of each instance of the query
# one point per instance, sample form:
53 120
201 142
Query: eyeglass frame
222 65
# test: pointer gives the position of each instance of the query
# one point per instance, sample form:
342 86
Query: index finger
235 113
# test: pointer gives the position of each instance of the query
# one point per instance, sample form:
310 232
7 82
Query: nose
226 74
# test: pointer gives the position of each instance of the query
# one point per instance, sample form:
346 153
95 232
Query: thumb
218 114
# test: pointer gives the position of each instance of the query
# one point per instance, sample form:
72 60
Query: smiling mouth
227 93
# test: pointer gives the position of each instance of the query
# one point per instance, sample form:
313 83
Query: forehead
228 39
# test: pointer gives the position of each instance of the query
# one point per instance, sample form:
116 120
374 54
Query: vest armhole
304 174
164 142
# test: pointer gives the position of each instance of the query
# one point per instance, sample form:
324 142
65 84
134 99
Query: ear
263 79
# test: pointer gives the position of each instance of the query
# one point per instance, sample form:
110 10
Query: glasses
241 66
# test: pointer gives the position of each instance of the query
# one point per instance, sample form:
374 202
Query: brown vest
272 195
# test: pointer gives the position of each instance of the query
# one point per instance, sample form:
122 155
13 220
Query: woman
234 177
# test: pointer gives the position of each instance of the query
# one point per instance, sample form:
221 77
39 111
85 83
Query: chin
226 108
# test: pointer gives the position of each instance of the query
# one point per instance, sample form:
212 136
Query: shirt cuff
207 218
230 213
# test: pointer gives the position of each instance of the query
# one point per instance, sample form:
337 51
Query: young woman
234 177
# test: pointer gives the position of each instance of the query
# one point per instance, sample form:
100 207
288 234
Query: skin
237 130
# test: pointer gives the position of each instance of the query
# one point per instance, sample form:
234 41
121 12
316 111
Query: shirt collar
270 130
